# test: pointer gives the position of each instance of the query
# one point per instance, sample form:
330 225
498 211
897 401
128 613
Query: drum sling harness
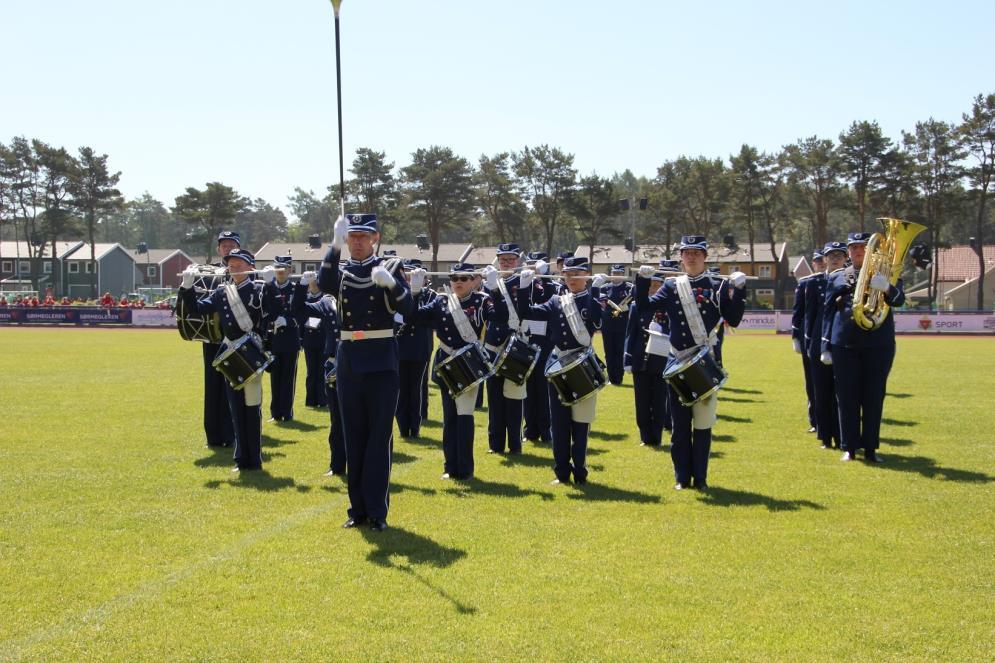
253 388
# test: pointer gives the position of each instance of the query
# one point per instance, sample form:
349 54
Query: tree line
810 191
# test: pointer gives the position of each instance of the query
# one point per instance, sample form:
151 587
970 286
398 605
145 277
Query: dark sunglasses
454 279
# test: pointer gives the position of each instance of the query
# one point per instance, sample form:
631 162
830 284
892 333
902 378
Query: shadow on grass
738 420
723 438
896 442
335 490
431 423
399 458
397 548
403 487
296 424
727 497
727 399
260 480
528 460
602 435
420 441
741 391
928 468
624 385
899 395
220 457
495 489
899 422
595 492
276 442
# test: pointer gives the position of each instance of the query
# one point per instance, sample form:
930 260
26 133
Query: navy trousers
409 400
536 405
217 414
652 395
861 377
569 441
367 402
689 448
504 418
457 439
247 422
282 381
614 342
827 423
424 393
336 436
314 382
809 390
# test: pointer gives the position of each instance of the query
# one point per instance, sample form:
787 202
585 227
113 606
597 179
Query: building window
74 267
89 267
766 293
47 267
733 268
152 271
310 267
764 271
24 267
7 267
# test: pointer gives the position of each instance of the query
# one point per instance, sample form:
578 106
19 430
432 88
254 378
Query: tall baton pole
336 6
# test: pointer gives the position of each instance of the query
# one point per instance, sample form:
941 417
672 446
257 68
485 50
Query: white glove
417 280
599 281
490 277
339 232
307 278
880 282
268 273
826 358
797 345
189 277
738 279
542 267
279 323
382 277
525 278
646 271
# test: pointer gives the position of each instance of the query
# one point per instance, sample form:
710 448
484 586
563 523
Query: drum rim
678 367
505 353
714 389
460 351
584 353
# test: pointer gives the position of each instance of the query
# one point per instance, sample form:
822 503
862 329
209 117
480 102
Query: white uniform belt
365 334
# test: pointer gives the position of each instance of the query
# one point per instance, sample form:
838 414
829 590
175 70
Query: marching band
523 332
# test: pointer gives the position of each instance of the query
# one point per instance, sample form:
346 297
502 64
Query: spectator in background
124 303
49 299
3 301
65 301
34 302
107 300
140 303
18 300
162 304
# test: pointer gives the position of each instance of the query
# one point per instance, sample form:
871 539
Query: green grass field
122 537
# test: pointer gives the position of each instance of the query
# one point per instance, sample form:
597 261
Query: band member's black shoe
378 525
335 473
680 485
353 522
873 457
515 452
701 485
556 482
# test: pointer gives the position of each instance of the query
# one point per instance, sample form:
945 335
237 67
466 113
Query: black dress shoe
353 522
701 485
579 481
556 482
378 524
873 457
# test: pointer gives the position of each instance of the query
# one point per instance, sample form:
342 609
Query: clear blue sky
184 92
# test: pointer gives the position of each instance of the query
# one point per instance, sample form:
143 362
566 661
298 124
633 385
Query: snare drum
516 359
194 326
330 373
464 369
576 375
242 360
697 377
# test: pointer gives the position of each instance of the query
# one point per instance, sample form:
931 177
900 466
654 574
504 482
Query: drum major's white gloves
307 278
880 282
525 278
382 277
738 279
490 277
599 281
339 232
797 343
647 271
826 358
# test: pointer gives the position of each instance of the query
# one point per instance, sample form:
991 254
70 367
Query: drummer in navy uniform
615 297
414 347
861 360
217 416
798 313
284 340
313 336
369 291
504 397
646 350
242 309
823 390
325 309
458 319
572 317
535 414
695 304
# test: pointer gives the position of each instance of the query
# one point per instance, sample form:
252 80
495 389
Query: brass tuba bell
885 254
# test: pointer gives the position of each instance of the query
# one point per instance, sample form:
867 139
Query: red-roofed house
956 271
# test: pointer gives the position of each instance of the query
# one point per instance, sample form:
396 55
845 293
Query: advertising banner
69 315
152 317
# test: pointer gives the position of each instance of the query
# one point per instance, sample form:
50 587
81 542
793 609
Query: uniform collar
363 263
247 281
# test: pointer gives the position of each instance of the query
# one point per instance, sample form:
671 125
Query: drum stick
466 253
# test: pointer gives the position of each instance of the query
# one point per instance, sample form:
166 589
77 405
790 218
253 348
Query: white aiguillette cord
574 321
513 321
691 312
238 308
463 325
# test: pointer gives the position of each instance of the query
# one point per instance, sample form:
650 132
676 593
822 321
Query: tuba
885 254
